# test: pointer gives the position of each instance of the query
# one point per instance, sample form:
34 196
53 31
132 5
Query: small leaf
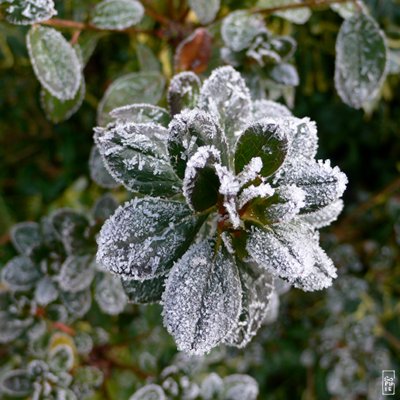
54 62
104 207
78 304
299 16
284 74
149 392
269 108
12 328
225 96
16 383
145 236
147 59
239 29
202 298
110 295
98 172
239 387
88 376
136 155
27 12
117 14
137 87
141 113
205 10
212 387
61 358
144 292
183 92
25 237
361 58
77 273
20 274
45 292
194 53
267 141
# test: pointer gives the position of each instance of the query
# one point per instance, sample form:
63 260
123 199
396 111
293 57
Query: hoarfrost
205 10
183 92
324 216
25 237
252 192
27 12
110 295
269 108
141 113
46 291
299 16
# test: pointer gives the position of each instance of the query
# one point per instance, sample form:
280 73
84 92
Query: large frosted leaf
205 10
144 292
361 58
239 29
117 14
54 62
26 12
239 387
78 304
25 237
136 155
225 95
16 383
267 141
110 295
183 92
149 392
98 171
20 274
145 236
77 273
137 87
202 298
141 113
298 16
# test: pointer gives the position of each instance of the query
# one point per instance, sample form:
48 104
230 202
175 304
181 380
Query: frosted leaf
201 183
16 383
299 16
77 273
12 328
257 289
252 192
149 392
212 387
98 171
20 274
239 387
117 14
269 108
183 92
136 155
78 304
190 130
144 292
61 358
57 110
137 87
225 95
283 250
348 9
239 29
264 140
321 183
141 113
104 207
361 59
148 61
284 74
145 236
324 216
27 12
110 295
202 298
83 343
45 291
54 62
65 394
272 311
25 237
205 10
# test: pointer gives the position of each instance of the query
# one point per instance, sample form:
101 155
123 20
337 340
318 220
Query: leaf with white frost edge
61 358
361 60
324 216
202 298
205 10
141 113
284 74
20 274
225 96
144 292
11 328
299 16
110 295
16 383
268 108
54 62
239 387
77 273
98 172
145 236
136 155
149 392
117 14
77 304
45 292
27 12
212 387
25 237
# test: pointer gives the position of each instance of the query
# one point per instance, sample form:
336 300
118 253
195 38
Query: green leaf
137 87
27 12
25 237
46 291
16 383
98 172
361 60
148 61
117 14
183 92
20 274
144 292
110 295
54 62
205 10
77 273
61 358
145 236
141 113
149 392
136 155
265 140
202 298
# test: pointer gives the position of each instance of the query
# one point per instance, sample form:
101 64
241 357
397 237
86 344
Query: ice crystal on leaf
242 197
27 12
